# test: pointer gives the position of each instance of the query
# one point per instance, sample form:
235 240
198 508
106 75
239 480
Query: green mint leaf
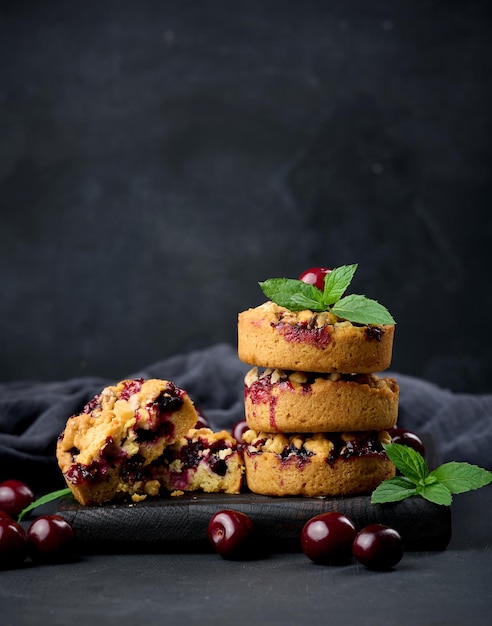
301 302
437 486
393 490
49 497
362 310
294 295
461 477
435 492
410 463
336 283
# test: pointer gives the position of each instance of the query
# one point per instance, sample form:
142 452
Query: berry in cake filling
92 405
202 451
333 446
111 457
356 445
374 333
183 462
133 470
131 387
164 430
152 423
302 333
78 474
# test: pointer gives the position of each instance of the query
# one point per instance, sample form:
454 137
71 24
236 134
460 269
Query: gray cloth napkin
33 414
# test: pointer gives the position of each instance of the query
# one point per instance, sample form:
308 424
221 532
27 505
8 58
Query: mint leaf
461 477
435 492
362 310
336 283
393 490
49 497
294 295
410 463
437 486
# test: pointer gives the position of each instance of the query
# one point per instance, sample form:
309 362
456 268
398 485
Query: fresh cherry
202 421
238 429
315 276
378 547
50 538
230 533
4 515
407 438
15 496
13 543
327 538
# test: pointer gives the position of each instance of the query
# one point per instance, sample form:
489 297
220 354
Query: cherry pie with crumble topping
104 451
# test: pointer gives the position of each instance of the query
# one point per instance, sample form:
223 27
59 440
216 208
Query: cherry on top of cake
323 289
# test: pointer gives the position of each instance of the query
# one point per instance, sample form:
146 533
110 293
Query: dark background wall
158 159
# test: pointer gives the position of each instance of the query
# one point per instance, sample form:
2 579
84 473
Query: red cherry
202 421
378 547
229 533
14 497
315 276
238 429
327 538
407 438
13 543
50 538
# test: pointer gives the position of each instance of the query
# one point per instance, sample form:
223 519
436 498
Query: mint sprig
49 497
297 295
437 486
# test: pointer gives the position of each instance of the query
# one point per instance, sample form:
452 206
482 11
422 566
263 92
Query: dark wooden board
180 523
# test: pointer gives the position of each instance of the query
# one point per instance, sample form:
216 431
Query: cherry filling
161 409
300 456
166 403
318 337
374 333
112 456
165 430
92 473
366 444
133 470
93 404
302 333
130 387
199 451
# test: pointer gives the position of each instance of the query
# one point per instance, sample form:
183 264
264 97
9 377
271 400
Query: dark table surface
448 587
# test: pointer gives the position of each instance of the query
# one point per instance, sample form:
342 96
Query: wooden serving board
180 523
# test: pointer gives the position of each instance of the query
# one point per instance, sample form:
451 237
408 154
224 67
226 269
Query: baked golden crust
283 401
103 451
272 336
316 465
202 460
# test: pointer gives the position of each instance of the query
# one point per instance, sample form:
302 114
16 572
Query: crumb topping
327 446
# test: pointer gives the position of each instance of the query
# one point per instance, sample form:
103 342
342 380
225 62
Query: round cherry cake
285 401
272 336
320 464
